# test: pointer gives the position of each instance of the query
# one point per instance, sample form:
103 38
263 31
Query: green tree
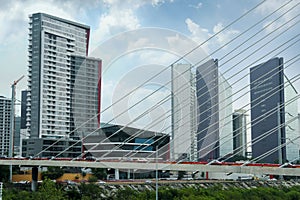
100 173
73 193
13 194
53 173
93 179
4 173
166 193
90 191
126 194
293 195
49 191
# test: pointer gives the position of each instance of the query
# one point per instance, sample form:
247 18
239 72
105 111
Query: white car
100 182
148 181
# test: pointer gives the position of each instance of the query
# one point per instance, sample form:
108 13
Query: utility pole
12 123
279 138
156 173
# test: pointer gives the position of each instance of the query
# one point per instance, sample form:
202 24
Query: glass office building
273 107
214 112
128 143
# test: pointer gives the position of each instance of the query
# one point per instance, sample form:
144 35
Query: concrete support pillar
128 174
34 182
117 175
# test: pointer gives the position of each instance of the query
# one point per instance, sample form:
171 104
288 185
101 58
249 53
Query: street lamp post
12 129
156 165
156 173
279 135
279 138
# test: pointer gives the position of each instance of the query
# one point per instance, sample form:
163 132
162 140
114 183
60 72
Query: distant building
85 94
239 122
214 112
292 134
23 131
269 90
119 142
5 109
23 109
184 140
64 84
17 136
47 147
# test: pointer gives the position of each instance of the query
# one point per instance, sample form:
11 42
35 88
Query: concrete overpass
257 170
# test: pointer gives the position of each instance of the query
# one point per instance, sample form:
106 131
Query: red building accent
87 41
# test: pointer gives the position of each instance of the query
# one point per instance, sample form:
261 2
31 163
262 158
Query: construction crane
12 122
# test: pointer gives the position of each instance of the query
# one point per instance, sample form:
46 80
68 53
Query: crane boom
16 82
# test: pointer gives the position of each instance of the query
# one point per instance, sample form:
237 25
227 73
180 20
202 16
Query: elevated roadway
258 170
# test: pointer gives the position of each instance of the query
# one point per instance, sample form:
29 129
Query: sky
130 35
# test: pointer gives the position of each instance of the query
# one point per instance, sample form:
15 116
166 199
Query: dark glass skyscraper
267 92
214 112
270 88
23 109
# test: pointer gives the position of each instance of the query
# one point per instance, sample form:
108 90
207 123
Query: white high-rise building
292 135
5 109
183 144
240 132
64 84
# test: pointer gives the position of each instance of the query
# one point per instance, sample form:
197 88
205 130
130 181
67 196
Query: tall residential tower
183 143
5 109
64 84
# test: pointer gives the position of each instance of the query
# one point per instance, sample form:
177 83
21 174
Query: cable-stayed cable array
165 99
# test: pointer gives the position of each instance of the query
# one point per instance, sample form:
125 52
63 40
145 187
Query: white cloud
198 6
14 16
113 22
14 34
200 34
271 5
159 2
186 44
120 17
224 36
